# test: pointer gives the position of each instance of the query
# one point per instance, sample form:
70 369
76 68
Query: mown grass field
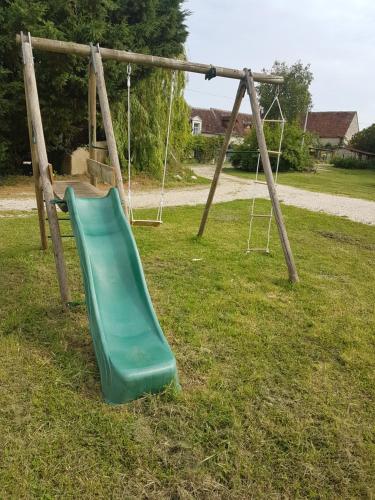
345 182
278 381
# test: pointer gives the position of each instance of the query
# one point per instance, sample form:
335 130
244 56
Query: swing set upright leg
40 152
92 118
220 161
97 63
289 259
247 85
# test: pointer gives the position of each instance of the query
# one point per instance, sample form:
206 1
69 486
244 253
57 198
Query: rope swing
159 217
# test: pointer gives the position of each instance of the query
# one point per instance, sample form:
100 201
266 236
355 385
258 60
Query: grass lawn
346 182
278 396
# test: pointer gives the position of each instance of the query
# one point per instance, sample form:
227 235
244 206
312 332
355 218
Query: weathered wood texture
147 60
36 176
292 270
81 189
101 172
50 173
107 123
92 118
220 161
38 139
146 222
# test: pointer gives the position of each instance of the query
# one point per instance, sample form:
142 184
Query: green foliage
295 156
294 93
149 120
353 163
204 149
148 26
365 139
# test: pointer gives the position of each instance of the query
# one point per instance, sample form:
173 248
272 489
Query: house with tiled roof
214 121
334 128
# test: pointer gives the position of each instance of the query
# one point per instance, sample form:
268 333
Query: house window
197 127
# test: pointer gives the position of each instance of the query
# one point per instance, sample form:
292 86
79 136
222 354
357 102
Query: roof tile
214 121
329 124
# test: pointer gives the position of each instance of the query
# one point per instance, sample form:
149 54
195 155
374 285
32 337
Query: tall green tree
294 94
365 139
149 122
148 26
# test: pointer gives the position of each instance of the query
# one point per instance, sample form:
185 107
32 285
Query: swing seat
146 222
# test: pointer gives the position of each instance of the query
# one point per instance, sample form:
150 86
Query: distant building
214 121
75 162
334 128
348 152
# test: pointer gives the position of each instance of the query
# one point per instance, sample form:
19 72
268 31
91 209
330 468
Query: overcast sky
337 37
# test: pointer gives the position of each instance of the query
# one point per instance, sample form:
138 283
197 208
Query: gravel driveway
236 188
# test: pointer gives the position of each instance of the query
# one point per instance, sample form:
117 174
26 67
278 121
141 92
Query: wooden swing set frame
46 190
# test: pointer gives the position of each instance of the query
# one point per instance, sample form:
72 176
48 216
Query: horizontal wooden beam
104 173
79 49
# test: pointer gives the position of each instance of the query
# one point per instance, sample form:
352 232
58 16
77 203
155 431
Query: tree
149 26
149 121
294 94
294 155
365 139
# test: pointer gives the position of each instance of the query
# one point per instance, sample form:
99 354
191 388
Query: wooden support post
292 270
36 176
38 139
220 161
107 122
92 118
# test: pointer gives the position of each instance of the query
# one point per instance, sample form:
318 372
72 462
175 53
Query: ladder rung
64 236
270 152
61 218
260 182
261 215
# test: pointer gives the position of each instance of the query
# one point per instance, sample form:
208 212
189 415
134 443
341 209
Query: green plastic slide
133 355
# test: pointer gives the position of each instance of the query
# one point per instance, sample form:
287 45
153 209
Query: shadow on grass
40 323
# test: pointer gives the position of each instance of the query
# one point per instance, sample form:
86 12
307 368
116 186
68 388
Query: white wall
353 128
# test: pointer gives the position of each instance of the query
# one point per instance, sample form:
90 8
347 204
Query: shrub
294 155
365 139
204 149
353 163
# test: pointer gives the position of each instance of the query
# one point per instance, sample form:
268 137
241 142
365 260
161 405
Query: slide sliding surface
133 356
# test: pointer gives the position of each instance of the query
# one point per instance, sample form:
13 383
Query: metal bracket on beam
211 73
93 49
